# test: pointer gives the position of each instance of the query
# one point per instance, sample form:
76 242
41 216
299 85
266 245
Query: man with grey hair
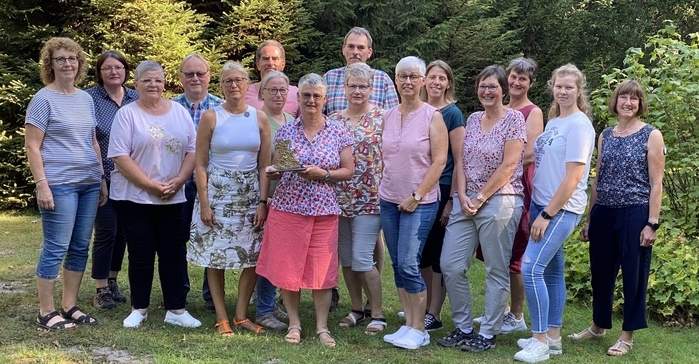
270 56
357 48
195 75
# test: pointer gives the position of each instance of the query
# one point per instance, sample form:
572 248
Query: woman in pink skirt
299 246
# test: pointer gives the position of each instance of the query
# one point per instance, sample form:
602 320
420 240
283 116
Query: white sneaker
390 338
135 319
511 324
413 339
185 319
534 351
555 346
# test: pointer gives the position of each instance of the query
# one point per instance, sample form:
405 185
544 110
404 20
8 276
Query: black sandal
84 319
42 322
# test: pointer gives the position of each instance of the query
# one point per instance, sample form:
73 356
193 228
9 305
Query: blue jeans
542 270
266 293
405 234
67 229
109 244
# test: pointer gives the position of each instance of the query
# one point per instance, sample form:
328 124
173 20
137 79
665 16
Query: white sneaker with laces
413 339
511 324
184 319
535 351
555 346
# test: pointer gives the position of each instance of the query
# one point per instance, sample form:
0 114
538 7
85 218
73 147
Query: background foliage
609 39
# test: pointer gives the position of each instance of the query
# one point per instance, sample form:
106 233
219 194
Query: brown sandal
225 328
248 325
292 339
328 341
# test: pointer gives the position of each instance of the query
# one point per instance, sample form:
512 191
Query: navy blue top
622 179
453 118
105 109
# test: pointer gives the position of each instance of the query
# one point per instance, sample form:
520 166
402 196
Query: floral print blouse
360 195
301 196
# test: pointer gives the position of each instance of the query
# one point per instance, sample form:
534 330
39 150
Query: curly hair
45 59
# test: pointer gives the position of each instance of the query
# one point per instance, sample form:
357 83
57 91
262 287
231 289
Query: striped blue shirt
195 111
68 123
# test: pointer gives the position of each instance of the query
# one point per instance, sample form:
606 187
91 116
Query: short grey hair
269 43
361 71
313 80
233 65
270 75
359 31
197 56
523 65
411 62
145 66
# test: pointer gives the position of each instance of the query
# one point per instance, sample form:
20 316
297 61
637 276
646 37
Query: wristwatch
417 197
654 226
545 215
480 198
327 175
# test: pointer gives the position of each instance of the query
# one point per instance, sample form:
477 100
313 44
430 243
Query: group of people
153 174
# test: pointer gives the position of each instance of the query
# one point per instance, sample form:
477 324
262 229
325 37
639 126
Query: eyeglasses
306 96
190 75
148 81
274 91
490 88
62 60
361 88
413 78
228 82
110 69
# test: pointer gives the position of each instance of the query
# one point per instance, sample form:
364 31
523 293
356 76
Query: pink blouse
301 196
484 152
360 195
407 154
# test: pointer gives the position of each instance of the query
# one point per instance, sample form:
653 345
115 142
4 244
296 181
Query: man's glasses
62 60
190 75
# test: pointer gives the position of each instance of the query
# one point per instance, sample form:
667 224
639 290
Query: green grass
157 342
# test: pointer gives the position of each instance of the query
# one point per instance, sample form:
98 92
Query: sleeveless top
235 141
622 179
407 154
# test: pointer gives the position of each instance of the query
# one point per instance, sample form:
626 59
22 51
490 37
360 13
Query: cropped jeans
405 234
542 270
67 229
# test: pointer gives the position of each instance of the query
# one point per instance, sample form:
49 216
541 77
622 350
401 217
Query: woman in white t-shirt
562 156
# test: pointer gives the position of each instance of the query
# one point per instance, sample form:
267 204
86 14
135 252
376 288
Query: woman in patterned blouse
359 198
299 246
624 214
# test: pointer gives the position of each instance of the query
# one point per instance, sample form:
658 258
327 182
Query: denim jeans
109 244
542 270
266 293
405 234
151 230
67 229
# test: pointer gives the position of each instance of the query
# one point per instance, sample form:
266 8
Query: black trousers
109 244
151 230
615 242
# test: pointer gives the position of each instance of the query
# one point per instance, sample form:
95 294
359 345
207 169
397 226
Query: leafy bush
670 74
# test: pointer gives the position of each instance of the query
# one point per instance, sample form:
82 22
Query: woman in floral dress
234 148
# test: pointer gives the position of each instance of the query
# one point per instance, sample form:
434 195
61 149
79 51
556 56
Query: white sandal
376 326
587 334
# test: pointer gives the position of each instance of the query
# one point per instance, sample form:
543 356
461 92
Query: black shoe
209 305
335 299
431 323
116 293
479 343
103 299
456 338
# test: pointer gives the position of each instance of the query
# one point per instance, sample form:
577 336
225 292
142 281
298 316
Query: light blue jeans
67 229
405 234
542 270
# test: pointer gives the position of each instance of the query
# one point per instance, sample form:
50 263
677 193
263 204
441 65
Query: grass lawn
157 342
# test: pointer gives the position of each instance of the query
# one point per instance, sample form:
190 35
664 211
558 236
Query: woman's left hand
408 205
260 216
648 237
104 193
313 173
174 185
538 228
444 219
